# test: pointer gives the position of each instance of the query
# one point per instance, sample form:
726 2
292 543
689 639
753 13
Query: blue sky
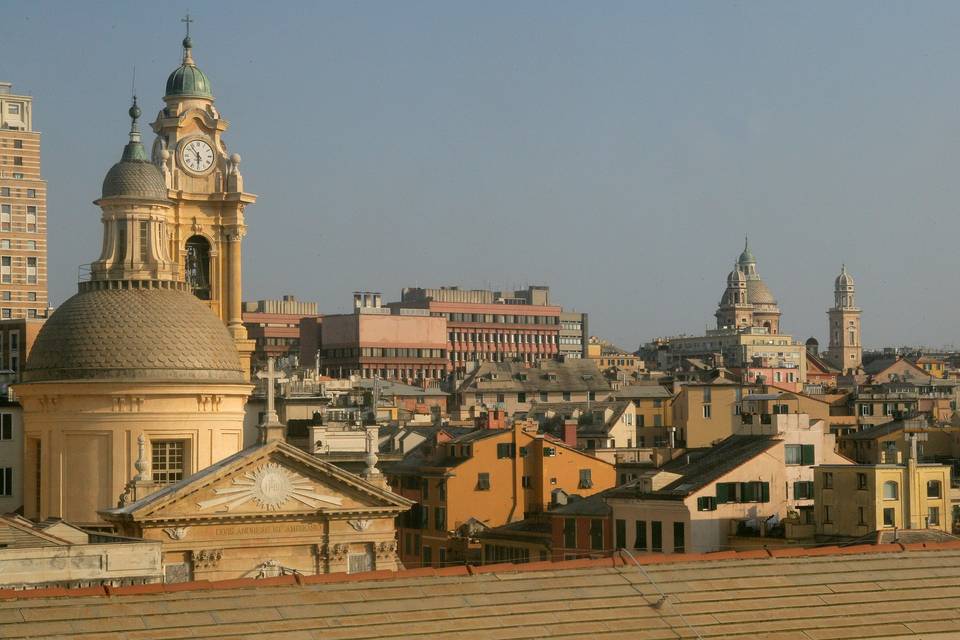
616 151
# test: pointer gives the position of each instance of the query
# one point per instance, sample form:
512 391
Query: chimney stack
570 433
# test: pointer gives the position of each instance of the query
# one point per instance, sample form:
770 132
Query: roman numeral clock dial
197 156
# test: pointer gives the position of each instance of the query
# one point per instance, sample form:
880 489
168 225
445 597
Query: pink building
401 344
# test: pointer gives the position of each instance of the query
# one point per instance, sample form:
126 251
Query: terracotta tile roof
867 591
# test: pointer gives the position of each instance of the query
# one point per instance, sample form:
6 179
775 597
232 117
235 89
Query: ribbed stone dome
134 179
149 334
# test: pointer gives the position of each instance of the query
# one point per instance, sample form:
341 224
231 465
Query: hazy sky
617 152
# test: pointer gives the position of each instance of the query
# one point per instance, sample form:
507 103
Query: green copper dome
187 80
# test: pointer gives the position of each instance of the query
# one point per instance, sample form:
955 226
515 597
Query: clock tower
206 225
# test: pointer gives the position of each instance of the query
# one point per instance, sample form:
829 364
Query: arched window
890 490
198 266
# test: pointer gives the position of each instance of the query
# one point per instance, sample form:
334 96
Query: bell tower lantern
206 225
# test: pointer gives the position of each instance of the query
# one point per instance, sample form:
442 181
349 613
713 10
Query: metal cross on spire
187 20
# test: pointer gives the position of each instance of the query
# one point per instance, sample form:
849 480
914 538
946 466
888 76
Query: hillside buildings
23 211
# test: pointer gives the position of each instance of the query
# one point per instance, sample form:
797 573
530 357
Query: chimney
570 433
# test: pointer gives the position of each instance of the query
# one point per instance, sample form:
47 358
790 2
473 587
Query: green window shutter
723 492
746 492
764 492
806 454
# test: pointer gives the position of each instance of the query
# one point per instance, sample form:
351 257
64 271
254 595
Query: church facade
134 392
747 301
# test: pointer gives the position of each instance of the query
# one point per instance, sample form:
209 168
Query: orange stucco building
482 479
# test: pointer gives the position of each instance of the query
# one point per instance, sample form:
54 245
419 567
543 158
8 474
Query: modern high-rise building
23 211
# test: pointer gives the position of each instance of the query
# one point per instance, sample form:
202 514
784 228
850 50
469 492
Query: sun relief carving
269 487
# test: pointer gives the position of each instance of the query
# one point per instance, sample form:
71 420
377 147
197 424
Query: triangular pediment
276 479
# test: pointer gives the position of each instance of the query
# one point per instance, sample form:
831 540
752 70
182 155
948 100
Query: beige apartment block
856 500
23 211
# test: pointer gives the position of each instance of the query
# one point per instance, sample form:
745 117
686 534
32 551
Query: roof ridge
471 571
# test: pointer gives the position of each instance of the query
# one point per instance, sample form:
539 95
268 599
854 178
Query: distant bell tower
206 227
845 351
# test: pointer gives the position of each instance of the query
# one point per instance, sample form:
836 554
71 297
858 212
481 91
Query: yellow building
654 412
858 500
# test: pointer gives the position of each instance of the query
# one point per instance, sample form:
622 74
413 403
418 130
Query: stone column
234 237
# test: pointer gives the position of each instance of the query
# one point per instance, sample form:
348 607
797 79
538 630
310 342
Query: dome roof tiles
134 334
134 179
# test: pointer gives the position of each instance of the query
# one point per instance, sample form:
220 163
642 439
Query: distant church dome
759 293
843 280
187 80
812 342
736 277
746 257
134 334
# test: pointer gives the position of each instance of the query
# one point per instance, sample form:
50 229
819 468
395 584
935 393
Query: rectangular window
586 479
31 271
506 450
656 535
640 535
621 534
933 488
889 517
483 481
566 396
6 263
6 481
440 518
427 557
828 481
31 219
442 558
521 397
570 533
706 411
143 238
933 516
726 492
4 217
826 514
18 144
18 161
526 482
802 490
6 426
678 537
862 481
543 396
167 461
706 503
596 534
31 193
862 516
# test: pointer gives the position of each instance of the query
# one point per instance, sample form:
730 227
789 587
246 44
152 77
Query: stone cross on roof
271 427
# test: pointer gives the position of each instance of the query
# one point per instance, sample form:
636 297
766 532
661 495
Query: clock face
197 155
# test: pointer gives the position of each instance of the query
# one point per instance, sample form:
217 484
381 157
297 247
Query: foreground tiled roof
885 591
